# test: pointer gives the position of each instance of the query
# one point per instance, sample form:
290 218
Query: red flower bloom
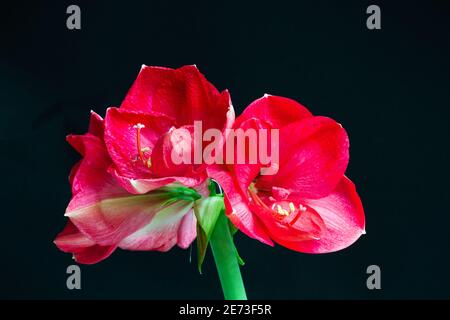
125 192
308 205
143 133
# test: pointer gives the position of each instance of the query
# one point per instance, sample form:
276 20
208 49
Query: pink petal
141 186
108 221
84 250
187 230
175 224
343 215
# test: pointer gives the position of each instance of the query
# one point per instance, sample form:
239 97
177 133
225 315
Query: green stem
226 260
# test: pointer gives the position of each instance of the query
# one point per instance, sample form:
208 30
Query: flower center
142 150
279 209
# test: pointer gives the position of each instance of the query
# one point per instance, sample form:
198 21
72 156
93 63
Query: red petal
183 94
343 215
121 135
73 173
96 128
243 166
96 125
297 226
236 205
274 110
313 158
84 250
89 176
179 142
141 186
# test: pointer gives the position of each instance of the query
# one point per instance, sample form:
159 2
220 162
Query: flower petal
236 205
89 177
141 186
130 138
96 125
84 250
313 158
173 154
187 231
274 110
183 94
175 224
287 220
246 161
343 215
109 220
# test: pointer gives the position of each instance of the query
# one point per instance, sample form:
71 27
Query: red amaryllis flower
309 205
150 126
126 192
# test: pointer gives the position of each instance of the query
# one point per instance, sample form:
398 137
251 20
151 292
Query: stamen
302 209
252 191
138 128
282 211
292 207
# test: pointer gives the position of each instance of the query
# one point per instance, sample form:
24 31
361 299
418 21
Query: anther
291 207
139 126
282 211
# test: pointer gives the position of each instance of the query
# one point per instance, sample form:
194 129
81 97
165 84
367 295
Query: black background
389 88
